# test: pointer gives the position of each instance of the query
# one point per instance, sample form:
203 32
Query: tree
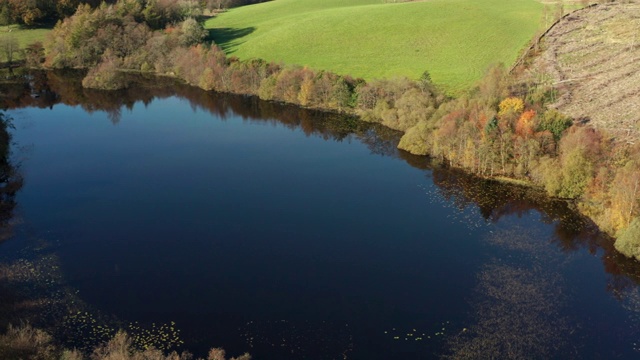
28 11
555 122
65 8
5 14
9 46
628 243
426 84
577 171
34 54
510 108
192 32
624 192
217 4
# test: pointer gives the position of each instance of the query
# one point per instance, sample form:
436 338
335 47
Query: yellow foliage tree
624 192
510 107
306 91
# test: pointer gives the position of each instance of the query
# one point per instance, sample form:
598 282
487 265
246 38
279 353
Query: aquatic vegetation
85 330
517 305
438 332
163 337
299 339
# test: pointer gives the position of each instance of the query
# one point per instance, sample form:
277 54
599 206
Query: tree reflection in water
493 199
10 179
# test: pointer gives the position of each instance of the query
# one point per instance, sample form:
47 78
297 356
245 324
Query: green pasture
455 40
23 35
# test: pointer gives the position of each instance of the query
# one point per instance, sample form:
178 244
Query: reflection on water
458 265
47 89
572 231
10 179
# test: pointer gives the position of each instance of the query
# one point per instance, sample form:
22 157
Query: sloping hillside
455 40
593 58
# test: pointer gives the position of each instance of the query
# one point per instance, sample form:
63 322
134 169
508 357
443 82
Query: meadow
24 36
455 40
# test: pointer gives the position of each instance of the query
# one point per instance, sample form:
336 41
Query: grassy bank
455 40
24 36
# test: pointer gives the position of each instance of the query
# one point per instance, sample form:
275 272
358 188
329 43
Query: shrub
628 243
510 107
105 76
34 55
415 139
26 342
577 171
555 122
192 32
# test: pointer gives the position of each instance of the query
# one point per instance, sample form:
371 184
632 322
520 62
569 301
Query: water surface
294 234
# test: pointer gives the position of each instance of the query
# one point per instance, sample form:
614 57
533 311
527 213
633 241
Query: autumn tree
106 75
66 8
554 122
192 32
34 54
510 108
568 175
624 193
628 242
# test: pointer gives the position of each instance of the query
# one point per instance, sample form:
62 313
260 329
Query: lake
288 233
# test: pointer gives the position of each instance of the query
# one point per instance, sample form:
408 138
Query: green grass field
455 40
25 36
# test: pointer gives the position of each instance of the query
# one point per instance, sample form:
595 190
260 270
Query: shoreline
352 113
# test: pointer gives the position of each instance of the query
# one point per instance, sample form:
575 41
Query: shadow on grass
227 38
202 18
48 25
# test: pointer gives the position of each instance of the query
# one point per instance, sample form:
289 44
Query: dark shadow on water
227 38
10 180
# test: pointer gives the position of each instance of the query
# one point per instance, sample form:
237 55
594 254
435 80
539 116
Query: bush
26 342
577 171
192 32
34 55
629 242
415 139
555 122
105 76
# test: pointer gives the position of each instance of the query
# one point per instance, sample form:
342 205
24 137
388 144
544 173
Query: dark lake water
292 234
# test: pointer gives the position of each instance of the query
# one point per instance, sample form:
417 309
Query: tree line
505 129
156 13
498 129
30 12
